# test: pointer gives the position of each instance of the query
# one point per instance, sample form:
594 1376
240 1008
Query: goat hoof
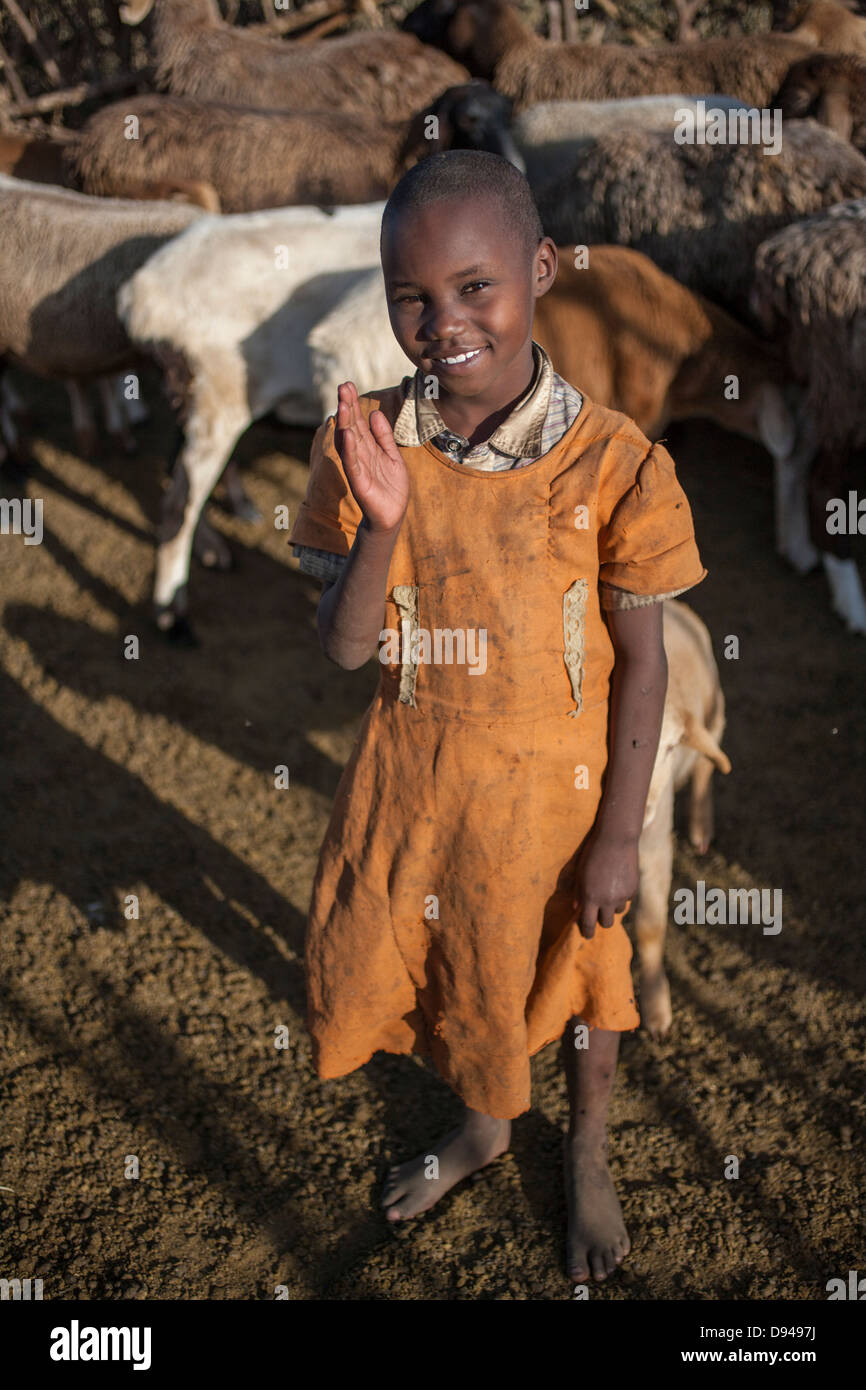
655 1007
216 558
176 629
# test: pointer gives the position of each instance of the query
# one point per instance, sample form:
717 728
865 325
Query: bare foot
415 1186
597 1240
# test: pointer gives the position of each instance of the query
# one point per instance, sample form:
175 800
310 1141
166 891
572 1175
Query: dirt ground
154 1037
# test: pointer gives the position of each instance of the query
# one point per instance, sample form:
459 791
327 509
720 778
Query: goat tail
697 735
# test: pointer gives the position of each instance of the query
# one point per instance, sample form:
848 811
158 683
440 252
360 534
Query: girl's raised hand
372 462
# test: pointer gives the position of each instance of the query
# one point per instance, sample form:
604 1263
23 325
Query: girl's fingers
384 436
588 920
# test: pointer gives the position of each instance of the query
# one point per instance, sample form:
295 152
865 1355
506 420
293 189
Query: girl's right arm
351 612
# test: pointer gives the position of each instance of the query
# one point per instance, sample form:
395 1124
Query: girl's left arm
606 872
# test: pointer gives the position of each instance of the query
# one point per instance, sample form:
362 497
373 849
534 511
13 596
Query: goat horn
134 11
699 737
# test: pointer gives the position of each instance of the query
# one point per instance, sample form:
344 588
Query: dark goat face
476 117
429 21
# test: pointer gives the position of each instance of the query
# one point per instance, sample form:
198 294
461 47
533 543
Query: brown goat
495 43
636 340
831 87
265 159
386 74
699 211
38 160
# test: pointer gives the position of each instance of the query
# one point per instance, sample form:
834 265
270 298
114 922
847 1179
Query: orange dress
441 919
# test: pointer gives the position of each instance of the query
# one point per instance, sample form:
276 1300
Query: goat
258 159
699 211
39 160
688 751
495 43
550 135
390 74
36 159
70 254
636 340
832 88
225 309
809 290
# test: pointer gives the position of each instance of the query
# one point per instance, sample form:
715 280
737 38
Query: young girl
478 520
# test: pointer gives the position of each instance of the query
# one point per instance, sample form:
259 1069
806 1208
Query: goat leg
239 499
116 421
828 480
13 416
686 11
649 912
793 539
210 439
83 421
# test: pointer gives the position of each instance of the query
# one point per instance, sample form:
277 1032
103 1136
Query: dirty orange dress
441 918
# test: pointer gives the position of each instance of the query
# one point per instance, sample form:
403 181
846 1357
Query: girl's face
460 285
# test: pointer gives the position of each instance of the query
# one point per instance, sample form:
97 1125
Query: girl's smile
462 360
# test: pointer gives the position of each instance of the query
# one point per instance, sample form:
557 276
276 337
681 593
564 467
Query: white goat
226 310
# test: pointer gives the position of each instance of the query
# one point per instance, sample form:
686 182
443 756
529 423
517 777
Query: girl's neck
476 417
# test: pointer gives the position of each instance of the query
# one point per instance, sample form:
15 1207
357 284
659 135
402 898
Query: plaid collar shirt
547 408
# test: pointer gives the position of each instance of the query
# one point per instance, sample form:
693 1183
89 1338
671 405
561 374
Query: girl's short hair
472 175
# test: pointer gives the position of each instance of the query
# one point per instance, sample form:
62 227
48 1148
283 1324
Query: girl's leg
597 1240
413 1187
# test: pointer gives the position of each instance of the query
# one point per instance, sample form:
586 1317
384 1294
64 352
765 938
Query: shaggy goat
38 160
832 88
699 211
494 42
550 134
384 72
268 159
810 289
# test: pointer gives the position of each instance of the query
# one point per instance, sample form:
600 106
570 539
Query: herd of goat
227 227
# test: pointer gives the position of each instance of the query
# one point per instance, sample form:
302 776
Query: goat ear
834 111
777 426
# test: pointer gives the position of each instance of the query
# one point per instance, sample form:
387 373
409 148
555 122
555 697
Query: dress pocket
574 638
405 596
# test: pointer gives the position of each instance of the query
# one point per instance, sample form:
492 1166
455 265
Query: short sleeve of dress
329 516
646 542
